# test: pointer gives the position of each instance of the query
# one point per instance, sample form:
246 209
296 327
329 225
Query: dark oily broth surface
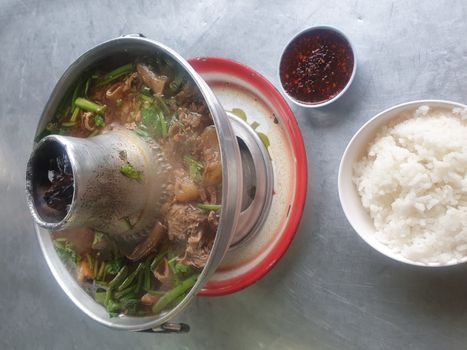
154 98
59 194
316 66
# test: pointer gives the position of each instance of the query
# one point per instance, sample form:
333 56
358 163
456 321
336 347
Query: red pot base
238 86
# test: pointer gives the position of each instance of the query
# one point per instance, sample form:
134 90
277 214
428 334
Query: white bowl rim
378 246
346 87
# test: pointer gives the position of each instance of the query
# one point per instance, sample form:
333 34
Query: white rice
413 183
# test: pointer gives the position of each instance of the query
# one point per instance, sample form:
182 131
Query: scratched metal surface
330 291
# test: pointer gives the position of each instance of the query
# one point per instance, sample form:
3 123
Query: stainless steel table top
330 291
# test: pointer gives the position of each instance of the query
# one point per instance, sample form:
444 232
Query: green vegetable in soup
194 168
65 251
89 105
154 122
116 73
129 171
99 120
209 206
174 293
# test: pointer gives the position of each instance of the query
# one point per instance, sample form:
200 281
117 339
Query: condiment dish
340 36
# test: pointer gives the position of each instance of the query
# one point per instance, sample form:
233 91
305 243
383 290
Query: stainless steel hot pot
248 165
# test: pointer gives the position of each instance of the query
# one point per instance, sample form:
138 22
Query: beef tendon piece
149 244
151 79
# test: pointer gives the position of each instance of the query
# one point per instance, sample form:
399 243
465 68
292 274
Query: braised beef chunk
193 121
155 82
149 244
196 229
197 250
184 220
187 93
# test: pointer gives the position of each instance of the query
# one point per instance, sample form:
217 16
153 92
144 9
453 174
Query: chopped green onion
111 306
161 103
89 105
179 299
148 260
164 126
125 292
102 285
139 283
155 292
114 266
147 279
145 98
101 273
68 124
74 115
65 251
182 268
75 96
157 260
116 73
100 297
171 264
209 206
174 293
98 237
129 171
86 86
90 263
154 121
119 277
99 120
194 168
131 277
95 269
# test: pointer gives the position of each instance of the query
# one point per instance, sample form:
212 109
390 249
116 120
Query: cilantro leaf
129 171
65 251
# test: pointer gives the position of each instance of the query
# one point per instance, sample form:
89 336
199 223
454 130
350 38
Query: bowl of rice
403 182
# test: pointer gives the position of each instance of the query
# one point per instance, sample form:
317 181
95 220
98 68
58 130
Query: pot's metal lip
231 187
29 192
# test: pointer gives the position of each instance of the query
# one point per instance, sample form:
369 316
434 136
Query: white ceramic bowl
354 68
348 194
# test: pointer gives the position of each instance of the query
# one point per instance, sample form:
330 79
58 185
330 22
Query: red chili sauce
316 66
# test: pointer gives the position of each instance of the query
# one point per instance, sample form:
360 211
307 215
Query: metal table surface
330 291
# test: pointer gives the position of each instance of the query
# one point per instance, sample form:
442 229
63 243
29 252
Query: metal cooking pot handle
169 328
133 35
